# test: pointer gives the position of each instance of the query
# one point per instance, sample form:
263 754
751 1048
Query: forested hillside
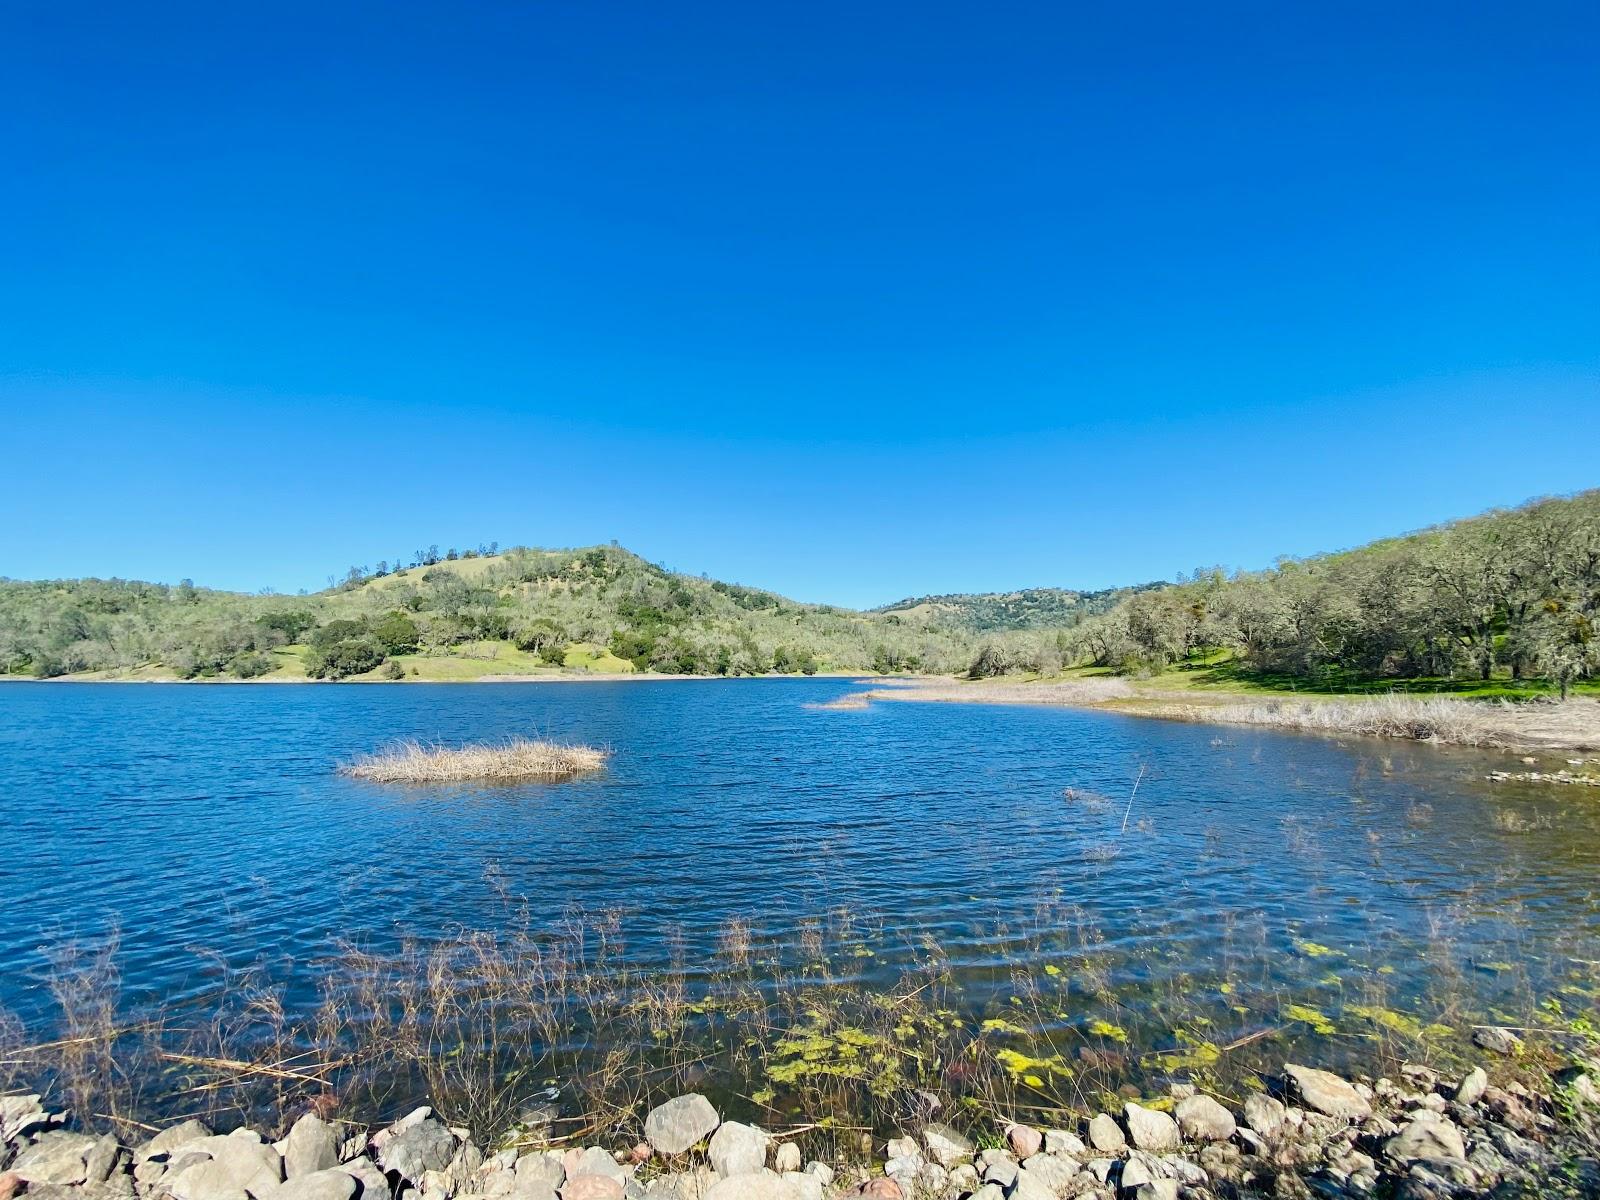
518 612
1511 593
1029 608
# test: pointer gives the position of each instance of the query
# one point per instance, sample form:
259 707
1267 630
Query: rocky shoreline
1310 1133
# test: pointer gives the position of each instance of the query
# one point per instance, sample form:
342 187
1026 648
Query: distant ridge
1027 608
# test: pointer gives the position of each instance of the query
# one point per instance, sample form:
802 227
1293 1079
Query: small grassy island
517 759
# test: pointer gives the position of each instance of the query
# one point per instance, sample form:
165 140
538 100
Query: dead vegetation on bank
519 758
1549 725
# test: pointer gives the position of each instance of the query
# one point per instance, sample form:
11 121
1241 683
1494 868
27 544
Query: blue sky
848 301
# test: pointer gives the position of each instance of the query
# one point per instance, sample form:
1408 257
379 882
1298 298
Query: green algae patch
1314 1017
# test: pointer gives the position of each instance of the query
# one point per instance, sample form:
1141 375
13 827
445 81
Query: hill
524 611
1029 608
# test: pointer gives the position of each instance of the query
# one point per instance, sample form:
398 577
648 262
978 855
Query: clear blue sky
851 301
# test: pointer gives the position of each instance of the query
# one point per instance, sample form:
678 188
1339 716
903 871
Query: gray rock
1030 1187
1326 1093
328 1184
673 1127
786 1158
1051 1173
1000 1171
594 1161
1473 1086
1157 1189
988 1191
1427 1136
945 1146
1135 1172
1496 1040
754 1185
20 1115
1059 1141
311 1147
1202 1119
802 1185
1151 1130
821 1170
1106 1135
738 1149
1263 1114
101 1160
373 1182
416 1149
55 1157
536 1170
901 1147
213 1177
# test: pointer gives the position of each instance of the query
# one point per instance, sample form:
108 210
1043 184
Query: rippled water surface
1254 870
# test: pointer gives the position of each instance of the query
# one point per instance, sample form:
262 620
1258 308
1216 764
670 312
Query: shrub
397 633
352 656
252 664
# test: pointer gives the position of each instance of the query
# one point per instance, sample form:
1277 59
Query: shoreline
1571 725
1497 1127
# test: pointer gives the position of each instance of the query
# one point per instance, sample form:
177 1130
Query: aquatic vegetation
1314 949
1314 1017
517 758
1387 1018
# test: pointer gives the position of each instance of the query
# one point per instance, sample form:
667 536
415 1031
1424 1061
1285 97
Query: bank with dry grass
1532 725
516 759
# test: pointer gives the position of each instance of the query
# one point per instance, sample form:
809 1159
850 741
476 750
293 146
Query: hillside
1029 608
525 611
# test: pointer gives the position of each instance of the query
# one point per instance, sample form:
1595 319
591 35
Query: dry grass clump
519 758
1423 719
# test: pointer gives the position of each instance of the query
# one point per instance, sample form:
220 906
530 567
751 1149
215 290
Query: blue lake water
207 825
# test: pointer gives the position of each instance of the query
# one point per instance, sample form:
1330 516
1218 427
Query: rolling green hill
526 611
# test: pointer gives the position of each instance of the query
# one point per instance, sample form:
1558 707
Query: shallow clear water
1257 869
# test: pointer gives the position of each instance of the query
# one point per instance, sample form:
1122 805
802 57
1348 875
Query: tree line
1511 593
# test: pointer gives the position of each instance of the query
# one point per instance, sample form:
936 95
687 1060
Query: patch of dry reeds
518 758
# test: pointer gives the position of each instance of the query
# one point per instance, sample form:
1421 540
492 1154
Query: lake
1291 893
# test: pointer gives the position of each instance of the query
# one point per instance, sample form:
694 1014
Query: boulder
538 1170
1059 1141
1473 1086
327 1184
1326 1093
310 1148
673 1127
1263 1114
592 1187
1427 1136
786 1158
374 1183
593 1161
1048 1172
754 1185
738 1149
55 1157
945 1146
802 1185
1202 1119
1024 1140
881 1188
1105 1135
1151 1130
102 1160
411 1151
